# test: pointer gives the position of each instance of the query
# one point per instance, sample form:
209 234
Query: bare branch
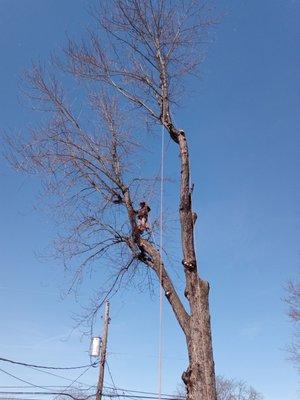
293 301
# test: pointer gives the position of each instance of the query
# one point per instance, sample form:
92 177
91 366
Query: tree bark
157 265
199 378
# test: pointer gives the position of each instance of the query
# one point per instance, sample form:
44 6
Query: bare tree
229 389
293 301
132 64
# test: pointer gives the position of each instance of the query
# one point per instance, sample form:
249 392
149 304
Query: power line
26 387
106 387
21 380
112 395
147 393
44 387
20 398
59 376
47 394
111 377
72 383
46 367
112 380
117 389
90 387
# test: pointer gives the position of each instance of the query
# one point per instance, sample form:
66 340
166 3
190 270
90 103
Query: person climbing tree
142 216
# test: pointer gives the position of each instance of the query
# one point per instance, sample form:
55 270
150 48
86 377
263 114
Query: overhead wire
112 380
114 387
111 395
59 376
105 387
111 377
26 387
22 380
19 398
46 367
72 383
48 394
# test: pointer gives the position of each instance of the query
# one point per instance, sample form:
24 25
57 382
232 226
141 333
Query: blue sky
243 122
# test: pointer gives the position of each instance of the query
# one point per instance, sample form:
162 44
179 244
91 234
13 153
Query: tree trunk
199 378
200 375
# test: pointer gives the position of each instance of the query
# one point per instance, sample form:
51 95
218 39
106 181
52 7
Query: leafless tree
76 394
130 67
230 389
293 301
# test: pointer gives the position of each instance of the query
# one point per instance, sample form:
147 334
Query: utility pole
103 351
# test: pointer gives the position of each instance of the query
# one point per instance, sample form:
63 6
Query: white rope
161 290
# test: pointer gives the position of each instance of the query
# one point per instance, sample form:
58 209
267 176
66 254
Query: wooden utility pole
103 352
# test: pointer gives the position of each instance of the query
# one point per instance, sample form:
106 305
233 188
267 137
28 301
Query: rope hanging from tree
161 294
161 290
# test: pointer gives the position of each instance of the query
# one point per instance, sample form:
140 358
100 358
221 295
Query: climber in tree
142 216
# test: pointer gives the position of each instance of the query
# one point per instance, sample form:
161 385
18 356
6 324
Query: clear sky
243 123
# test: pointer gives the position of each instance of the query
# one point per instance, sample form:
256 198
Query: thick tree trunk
199 378
200 375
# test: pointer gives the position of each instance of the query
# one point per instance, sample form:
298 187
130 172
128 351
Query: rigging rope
160 247
161 290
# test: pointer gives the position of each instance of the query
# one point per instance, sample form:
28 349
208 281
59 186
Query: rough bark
155 262
200 375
